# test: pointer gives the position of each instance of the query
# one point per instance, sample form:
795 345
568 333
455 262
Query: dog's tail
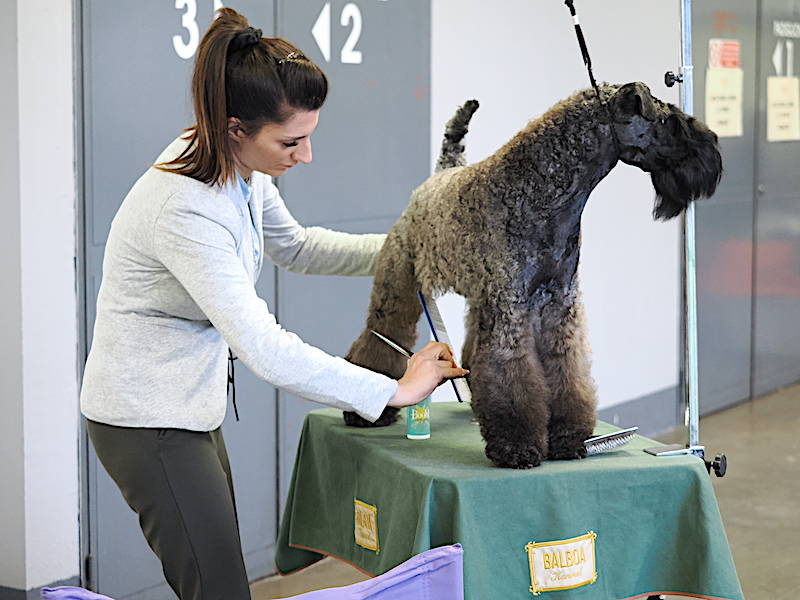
452 149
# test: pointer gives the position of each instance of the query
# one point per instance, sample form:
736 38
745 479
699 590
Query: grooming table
657 525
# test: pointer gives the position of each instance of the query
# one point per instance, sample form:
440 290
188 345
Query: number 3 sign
183 49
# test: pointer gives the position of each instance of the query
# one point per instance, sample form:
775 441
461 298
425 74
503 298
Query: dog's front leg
564 353
509 390
471 331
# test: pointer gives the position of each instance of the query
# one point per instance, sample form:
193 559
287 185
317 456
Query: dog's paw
511 457
388 417
567 447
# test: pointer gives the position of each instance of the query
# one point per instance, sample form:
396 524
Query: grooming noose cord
587 60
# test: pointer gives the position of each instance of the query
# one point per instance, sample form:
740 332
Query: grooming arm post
692 418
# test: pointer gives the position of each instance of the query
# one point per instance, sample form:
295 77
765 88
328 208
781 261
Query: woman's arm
314 250
193 240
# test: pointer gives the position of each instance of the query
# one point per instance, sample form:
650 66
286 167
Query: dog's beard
694 177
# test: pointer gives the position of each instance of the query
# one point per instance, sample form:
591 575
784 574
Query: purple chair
71 593
436 574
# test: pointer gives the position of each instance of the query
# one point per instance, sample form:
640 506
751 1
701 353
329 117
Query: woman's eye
289 144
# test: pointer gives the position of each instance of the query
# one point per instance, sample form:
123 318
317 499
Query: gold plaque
366 526
562 564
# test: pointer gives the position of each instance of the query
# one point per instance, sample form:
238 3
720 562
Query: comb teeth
608 442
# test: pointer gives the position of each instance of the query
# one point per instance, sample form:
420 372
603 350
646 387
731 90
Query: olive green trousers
179 484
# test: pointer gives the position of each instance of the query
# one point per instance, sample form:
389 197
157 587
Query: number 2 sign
322 32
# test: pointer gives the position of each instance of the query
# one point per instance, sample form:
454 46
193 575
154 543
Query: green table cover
656 518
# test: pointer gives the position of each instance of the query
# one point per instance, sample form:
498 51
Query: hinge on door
88 572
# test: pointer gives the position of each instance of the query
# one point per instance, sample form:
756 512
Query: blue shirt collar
244 188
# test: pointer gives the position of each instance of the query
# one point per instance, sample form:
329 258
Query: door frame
86 542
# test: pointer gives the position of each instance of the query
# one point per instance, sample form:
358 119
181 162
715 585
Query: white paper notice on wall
724 101
783 109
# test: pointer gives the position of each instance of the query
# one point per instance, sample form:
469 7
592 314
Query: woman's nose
303 152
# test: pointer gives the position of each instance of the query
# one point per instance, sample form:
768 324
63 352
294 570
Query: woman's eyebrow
294 139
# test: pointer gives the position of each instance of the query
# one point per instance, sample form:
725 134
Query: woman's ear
235 130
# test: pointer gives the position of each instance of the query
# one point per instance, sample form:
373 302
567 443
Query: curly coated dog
505 234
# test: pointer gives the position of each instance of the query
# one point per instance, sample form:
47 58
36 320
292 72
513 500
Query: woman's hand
425 371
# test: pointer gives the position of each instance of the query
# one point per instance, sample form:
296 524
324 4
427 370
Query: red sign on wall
724 54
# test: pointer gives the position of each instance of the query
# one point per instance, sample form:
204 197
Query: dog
505 234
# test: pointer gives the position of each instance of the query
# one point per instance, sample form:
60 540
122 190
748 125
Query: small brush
609 441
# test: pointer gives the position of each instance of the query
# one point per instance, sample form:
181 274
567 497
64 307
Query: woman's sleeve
196 244
314 250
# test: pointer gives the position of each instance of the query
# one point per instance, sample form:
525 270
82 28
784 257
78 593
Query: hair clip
289 57
244 39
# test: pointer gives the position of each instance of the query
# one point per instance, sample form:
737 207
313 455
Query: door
725 63
371 149
137 62
748 238
776 345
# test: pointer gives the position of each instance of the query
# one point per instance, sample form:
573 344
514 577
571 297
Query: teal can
418 420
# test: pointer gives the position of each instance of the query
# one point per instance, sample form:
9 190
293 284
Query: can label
418 420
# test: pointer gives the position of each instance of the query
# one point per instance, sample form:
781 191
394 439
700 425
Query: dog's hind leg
509 390
564 352
393 312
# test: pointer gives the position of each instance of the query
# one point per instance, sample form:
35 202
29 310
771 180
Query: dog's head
679 152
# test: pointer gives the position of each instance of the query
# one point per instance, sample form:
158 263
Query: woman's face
276 148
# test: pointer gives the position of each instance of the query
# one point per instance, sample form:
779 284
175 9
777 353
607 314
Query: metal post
690 288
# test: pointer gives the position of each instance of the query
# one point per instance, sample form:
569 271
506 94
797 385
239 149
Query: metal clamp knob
670 78
719 464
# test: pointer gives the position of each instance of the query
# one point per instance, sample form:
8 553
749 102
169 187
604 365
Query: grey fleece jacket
179 270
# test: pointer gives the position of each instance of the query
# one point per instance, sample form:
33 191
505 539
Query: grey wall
38 318
12 492
49 328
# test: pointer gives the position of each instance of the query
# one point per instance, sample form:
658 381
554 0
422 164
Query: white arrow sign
777 58
322 31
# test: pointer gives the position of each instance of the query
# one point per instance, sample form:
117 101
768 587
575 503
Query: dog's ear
635 99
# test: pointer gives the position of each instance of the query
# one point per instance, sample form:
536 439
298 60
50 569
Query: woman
181 260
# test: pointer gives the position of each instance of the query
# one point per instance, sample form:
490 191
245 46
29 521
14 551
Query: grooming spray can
418 420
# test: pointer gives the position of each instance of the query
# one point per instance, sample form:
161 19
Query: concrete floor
326 573
759 499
